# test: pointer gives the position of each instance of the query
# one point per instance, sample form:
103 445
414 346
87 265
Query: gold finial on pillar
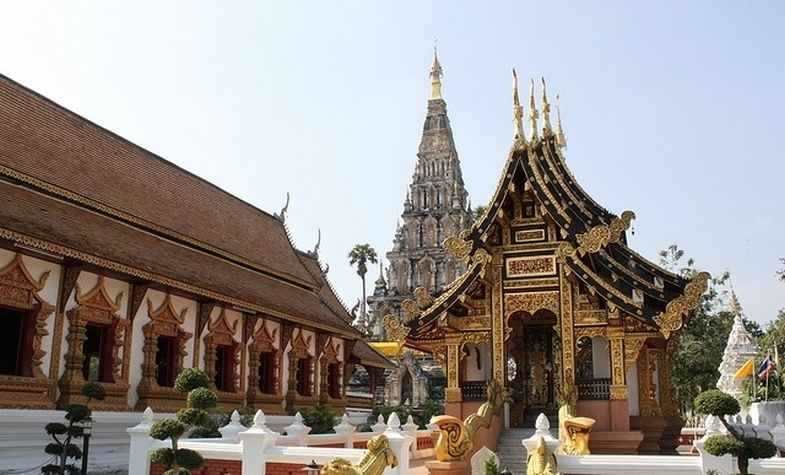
533 111
561 139
546 108
436 77
517 111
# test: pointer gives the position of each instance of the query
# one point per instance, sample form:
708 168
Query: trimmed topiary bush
320 418
719 404
63 435
193 420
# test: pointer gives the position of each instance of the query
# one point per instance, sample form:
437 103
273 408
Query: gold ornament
458 246
672 319
577 430
395 330
376 460
542 461
600 236
457 437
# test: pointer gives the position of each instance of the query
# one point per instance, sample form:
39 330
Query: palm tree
361 255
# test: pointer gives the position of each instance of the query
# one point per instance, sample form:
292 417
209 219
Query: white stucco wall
36 268
473 372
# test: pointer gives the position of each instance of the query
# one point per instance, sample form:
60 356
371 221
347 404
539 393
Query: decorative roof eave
677 310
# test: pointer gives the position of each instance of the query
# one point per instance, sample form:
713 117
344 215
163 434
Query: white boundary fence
258 445
661 464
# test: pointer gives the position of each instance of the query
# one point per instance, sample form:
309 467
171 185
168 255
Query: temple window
334 380
224 368
165 362
304 376
16 330
331 370
266 372
97 355
222 353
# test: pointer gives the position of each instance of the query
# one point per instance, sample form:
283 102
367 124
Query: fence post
380 426
543 426
347 430
141 443
410 428
255 442
298 430
722 465
233 428
400 444
778 433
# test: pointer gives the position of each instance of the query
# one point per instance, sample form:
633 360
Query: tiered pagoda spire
739 349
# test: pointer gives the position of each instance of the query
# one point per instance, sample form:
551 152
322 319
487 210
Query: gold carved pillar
646 387
567 336
668 403
619 391
497 323
453 391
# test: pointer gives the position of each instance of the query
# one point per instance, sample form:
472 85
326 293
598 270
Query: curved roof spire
436 77
546 108
533 110
517 110
561 139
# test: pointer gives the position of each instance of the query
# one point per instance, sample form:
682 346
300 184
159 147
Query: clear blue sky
672 109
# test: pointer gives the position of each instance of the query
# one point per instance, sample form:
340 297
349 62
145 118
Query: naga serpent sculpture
456 437
378 457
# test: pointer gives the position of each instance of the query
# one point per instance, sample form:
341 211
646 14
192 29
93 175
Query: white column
298 431
346 430
256 441
141 443
400 444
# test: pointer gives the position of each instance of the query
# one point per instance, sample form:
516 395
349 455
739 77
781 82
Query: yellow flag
746 370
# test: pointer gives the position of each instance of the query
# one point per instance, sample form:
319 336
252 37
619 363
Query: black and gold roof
592 242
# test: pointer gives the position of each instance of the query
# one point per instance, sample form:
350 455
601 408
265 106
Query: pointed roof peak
436 76
517 110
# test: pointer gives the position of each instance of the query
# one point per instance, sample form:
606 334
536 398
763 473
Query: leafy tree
193 419
781 273
361 255
716 403
703 339
479 211
62 447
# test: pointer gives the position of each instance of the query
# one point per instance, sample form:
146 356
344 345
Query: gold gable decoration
395 329
600 236
672 319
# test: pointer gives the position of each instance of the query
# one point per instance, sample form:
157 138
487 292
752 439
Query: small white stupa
739 349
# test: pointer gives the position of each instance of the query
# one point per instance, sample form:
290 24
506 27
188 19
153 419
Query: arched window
222 356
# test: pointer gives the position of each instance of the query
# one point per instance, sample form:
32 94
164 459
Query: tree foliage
320 418
721 405
194 419
703 339
63 448
361 255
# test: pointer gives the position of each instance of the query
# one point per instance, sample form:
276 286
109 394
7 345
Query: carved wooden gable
330 354
301 345
220 331
263 338
97 305
17 287
165 320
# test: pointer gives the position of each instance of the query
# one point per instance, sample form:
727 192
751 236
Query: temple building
119 267
555 305
436 206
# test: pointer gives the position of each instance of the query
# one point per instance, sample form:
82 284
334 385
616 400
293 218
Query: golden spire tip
517 110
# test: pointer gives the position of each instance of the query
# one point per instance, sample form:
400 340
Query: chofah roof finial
533 115
517 111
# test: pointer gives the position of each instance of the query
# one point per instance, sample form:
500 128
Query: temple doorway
530 366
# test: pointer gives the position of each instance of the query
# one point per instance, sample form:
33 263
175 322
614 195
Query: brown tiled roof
326 291
43 140
368 356
56 221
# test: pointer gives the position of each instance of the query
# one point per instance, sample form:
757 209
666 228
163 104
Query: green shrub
193 417
202 398
76 412
166 429
163 456
491 467
189 459
190 379
63 447
759 448
719 445
716 403
320 418
204 432
56 428
94 391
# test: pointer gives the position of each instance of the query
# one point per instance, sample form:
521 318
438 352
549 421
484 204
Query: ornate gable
165 319
17 287
263 338
301 345
97 305
221 332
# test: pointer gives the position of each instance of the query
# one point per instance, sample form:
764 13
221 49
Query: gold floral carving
530 265
600 236
618 384
531 302
672 319
459 246
590 317
646 387
632 348
469 323
395 329
422 297
453 389
522 283
590 332
530 235
497 324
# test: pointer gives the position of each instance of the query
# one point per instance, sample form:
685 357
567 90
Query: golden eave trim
672 319
157 278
